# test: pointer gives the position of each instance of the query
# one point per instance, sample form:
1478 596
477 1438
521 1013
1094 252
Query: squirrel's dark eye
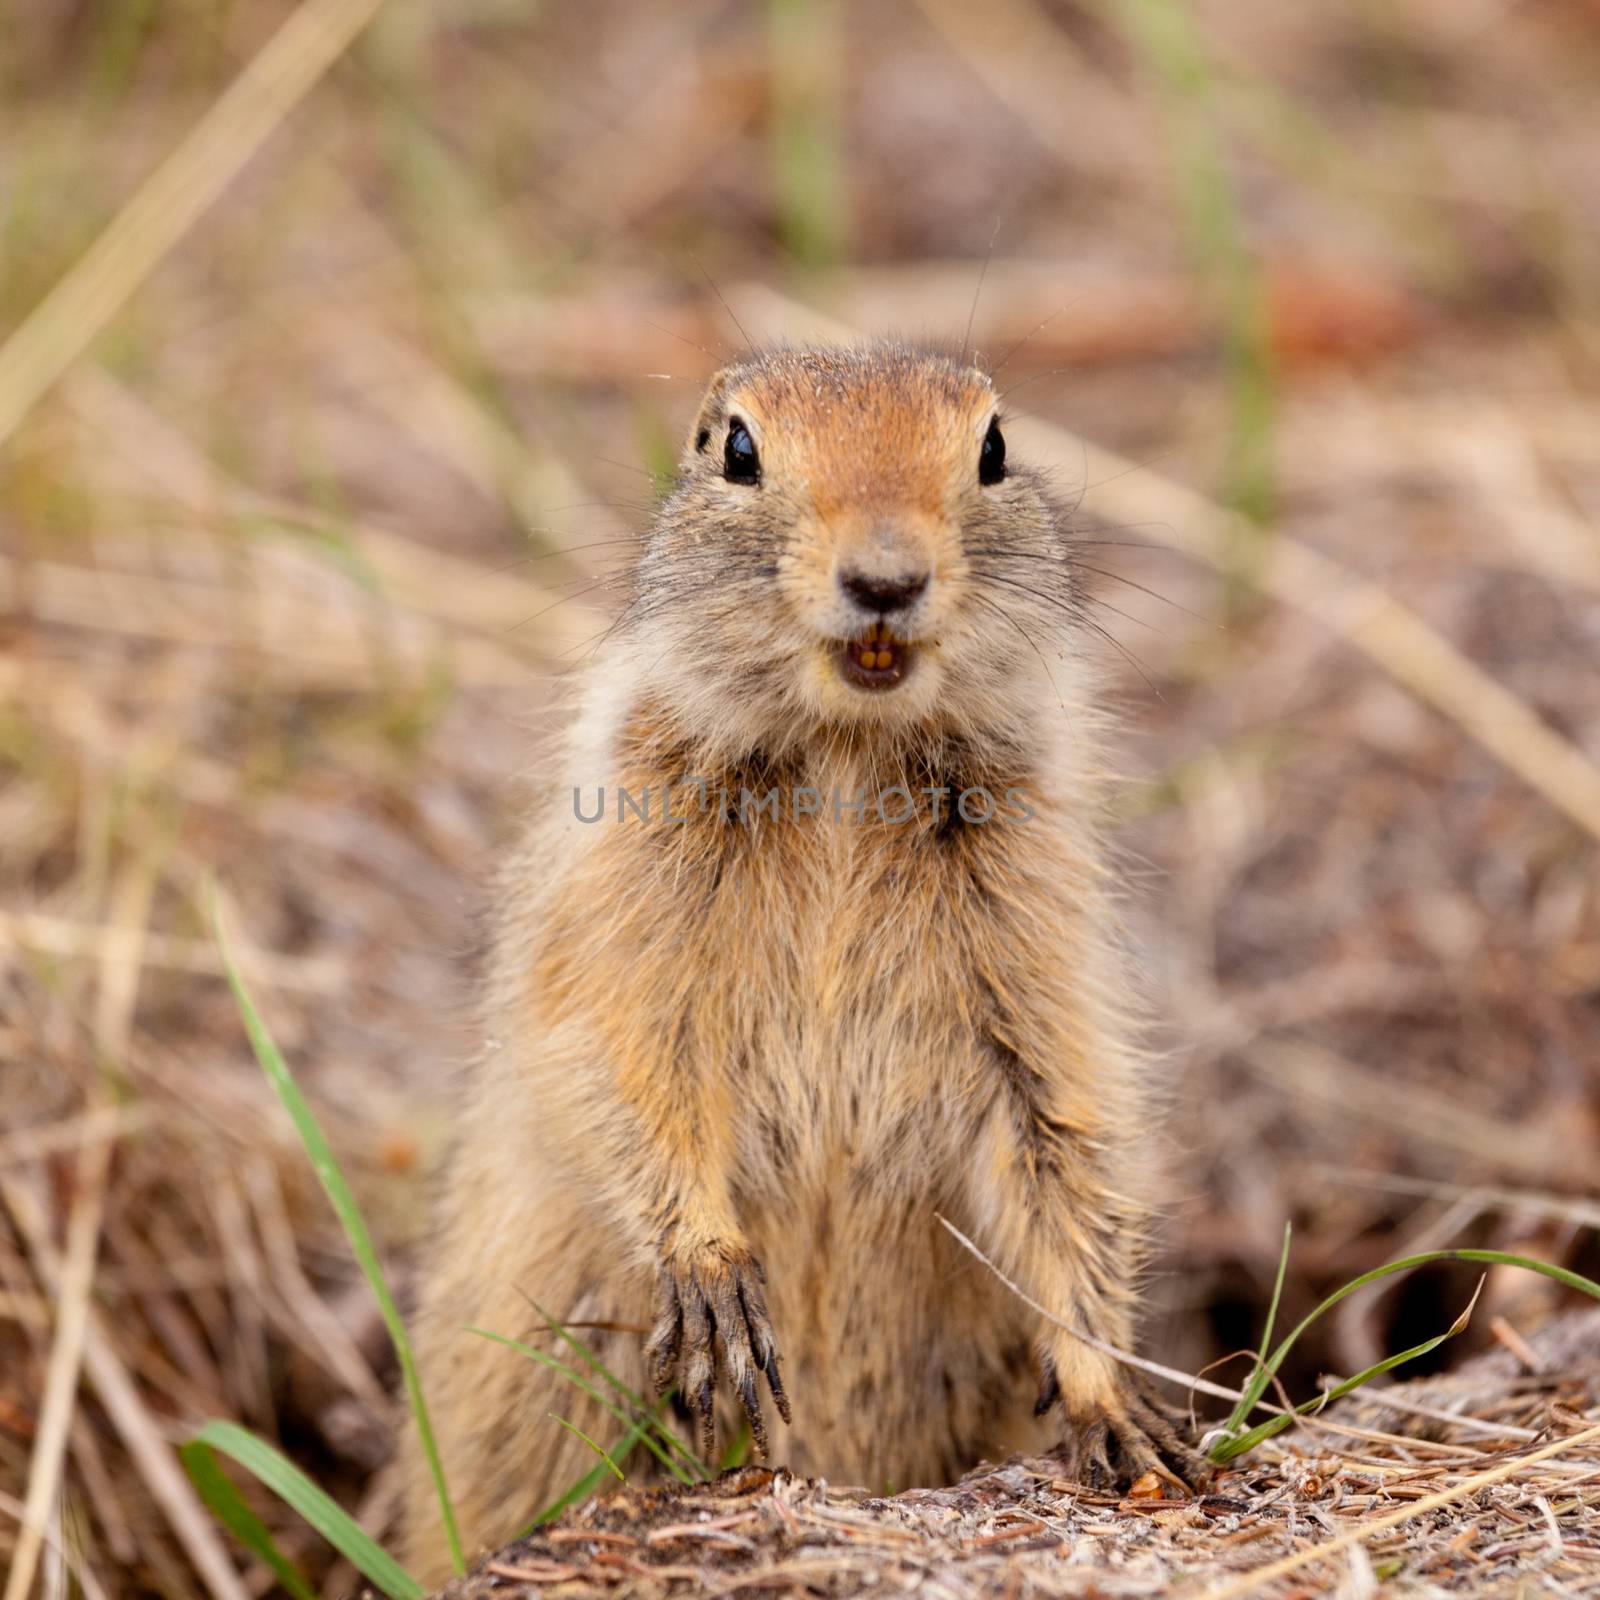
992 458
740 463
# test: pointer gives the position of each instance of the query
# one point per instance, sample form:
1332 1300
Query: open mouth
877 660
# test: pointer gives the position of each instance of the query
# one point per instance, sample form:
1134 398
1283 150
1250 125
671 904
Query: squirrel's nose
883 595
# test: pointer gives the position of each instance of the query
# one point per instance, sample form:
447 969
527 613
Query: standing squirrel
810 943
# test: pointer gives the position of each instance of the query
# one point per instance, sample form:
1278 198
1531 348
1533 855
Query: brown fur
743 1042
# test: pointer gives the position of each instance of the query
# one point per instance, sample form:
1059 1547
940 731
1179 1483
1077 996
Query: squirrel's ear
708 420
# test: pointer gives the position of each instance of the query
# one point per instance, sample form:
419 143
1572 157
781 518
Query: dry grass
1497 1509
302 527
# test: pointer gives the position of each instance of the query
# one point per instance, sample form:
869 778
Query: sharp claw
753 1310
694 1316
775 1384
1161 1425
752 1409
663 1363
1095 1462
705 1410
762 1343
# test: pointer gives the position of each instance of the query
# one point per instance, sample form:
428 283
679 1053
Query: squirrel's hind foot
1144 1434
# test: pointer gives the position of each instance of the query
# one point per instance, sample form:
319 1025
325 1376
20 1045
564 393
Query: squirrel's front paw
1133 1432
715 1294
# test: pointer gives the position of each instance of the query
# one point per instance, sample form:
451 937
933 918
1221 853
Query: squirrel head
848 544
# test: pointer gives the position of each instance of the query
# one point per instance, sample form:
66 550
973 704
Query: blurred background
297 556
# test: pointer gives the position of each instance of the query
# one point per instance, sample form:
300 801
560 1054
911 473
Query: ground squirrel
811 942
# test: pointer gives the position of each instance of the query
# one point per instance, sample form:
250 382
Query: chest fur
847 943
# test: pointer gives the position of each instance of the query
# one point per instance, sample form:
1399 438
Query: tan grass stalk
324 650
1522 1202
1126 1357
1249 1582
92 1588
66 1361
1425 662
169 202
117 992
29 1311
308 1319
458 593
117 947
70 1133
1346 1088
152 1454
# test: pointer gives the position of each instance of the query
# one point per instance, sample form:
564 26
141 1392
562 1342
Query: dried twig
155 1458
1253 1580
66 1355
172 199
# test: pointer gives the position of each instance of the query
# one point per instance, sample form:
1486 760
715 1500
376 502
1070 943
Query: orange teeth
876 660
876 651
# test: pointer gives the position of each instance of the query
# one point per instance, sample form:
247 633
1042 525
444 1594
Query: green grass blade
1277 1286
1240 1412
805 51
632 1396
1502 1258
1172 41
590 1481
228 1506
599 1450
355 1228
575 1377
297 1491
738 1452
1230 1449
